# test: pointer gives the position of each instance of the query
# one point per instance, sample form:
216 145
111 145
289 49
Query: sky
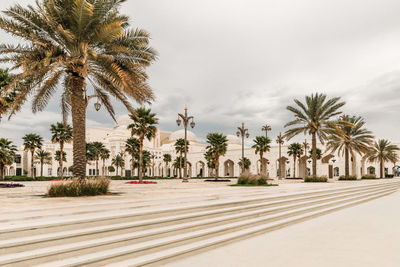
233 61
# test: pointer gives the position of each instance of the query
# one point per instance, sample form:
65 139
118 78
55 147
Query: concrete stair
145 237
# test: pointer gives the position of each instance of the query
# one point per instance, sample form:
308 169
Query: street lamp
185 119
243 132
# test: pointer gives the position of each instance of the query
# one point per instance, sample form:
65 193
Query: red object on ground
143 182
64 180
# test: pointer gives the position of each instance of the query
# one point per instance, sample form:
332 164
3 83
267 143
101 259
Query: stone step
45 226
15 245
150 252
105 245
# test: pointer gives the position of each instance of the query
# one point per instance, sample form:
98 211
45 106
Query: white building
163 143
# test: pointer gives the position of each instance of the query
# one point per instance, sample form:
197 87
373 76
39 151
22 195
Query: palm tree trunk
41 168
180 165
61 163
1 171
141 160
280 161
217 166
32 167
116 173
78 108
346 162
381 168
97 167
133 165
294 165
104 168
314 154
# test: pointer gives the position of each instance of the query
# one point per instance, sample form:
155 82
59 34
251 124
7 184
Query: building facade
114 139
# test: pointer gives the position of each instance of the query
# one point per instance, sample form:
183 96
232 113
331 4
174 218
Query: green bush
369 176
29 179
76 188
349 178
316 179
389 176
253 180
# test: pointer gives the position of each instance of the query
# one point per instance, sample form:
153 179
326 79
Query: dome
232 140
191 137
124 120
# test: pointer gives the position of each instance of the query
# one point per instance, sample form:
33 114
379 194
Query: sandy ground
361 236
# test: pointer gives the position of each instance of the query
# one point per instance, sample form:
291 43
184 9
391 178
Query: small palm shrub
249 179
369 176
349 178
316 179
75 188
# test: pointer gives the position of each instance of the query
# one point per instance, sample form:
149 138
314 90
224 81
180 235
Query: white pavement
364 235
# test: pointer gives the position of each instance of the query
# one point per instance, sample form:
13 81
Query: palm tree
62 134
261 146
76 42
43 157
383 151
7 155
245 163
31 143
118 161
180 148
280 141
295 150
349 138
218 144
314 118
5 96
104 155
318 153
167 158
143 126
94 152
146 159
61 157
266 128
132 148
210 158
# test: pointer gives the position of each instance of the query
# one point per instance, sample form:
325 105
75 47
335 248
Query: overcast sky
231 61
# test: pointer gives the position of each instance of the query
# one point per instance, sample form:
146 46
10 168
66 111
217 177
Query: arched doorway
229 168
326 160
200 168
371 170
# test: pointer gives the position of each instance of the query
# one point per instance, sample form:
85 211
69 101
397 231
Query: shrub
316 179
369 176
76 188
253 180
389 175
349 178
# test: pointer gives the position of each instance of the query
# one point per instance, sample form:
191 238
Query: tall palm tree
143 126
104 155
7 155
43 157
210 159
76 42
31 143
5 96
146 159
314 118
94 152
280 140
62 134
383 151
132 147
350 137
167 158
180 148
295 150
261 146
58 156
218 144
118 161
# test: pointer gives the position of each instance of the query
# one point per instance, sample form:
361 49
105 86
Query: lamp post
243 132
185 119
266 128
